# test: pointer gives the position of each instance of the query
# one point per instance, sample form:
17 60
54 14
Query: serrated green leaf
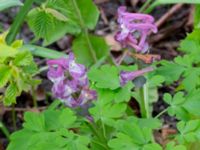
105 77
5 74
40 22
11 94
23 59
86 49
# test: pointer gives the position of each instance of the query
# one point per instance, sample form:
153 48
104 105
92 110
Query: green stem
43 52
103 128
144 102
34 97
4 130
161 113
151 7
19 19
14 117
85 31
101 138
145 5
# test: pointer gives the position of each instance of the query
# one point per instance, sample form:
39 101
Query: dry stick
168 14
122 58
24 109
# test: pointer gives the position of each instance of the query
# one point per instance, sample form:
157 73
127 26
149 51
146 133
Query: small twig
25 109
122 58
169 13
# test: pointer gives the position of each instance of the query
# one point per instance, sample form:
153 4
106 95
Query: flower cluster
126 76
70 82
134 29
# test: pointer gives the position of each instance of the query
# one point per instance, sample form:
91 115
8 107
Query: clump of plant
92 92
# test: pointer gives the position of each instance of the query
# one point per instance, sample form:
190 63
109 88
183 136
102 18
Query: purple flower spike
70 82
129 76
134 29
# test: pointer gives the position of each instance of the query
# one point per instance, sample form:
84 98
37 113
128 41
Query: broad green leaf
4 4
191 44
59 119
11 94
170 71
34 122
5 74
105 77
23 59
18 138
107 113
89 48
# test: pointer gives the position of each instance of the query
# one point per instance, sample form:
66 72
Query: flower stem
19 19
161 113
4 130
144 102
85 31
14 117
145 5
102 139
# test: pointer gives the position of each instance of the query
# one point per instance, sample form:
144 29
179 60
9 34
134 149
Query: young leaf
11 94
23 59
105 77
5 74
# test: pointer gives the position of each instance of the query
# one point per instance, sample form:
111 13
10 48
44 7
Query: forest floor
173 21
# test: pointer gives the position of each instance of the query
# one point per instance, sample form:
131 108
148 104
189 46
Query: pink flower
134 29
70 82
126 76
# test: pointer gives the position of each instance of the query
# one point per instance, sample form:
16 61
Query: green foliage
189 134
86 48
105 77
4 4
56 18
131 135
48 130
16 70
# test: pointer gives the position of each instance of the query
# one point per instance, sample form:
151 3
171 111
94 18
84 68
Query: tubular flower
126 76
134 29
70 82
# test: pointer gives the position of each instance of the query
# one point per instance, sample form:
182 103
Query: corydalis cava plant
17 69
134 29
70 82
